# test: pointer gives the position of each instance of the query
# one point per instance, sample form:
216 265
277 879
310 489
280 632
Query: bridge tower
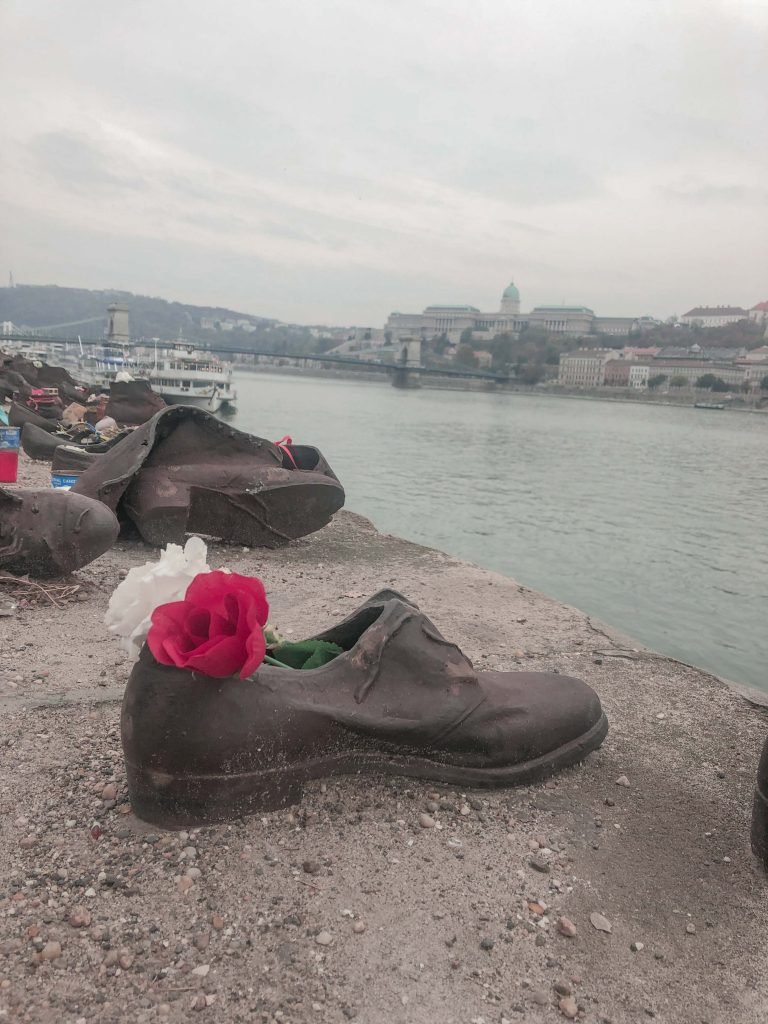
118 330
408 364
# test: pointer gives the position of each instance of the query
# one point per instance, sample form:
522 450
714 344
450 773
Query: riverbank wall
461 923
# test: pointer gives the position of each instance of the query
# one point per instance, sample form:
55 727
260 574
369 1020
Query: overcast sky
329 161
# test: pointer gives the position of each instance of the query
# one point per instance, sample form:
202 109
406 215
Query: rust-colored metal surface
133 402
187 472
52 533
400 700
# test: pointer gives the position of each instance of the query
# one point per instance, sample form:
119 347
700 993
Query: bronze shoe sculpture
132 402
42 446
52 533
19 415
187 472
399 700
760 810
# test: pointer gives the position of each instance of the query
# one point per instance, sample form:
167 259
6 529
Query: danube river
651 518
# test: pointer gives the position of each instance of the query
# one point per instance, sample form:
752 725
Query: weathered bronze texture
760 810
19 415
52 533
401 700
187 472
133 402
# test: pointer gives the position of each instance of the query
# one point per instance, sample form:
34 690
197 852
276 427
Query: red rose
216 629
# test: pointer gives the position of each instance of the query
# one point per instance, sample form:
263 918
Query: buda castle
453 320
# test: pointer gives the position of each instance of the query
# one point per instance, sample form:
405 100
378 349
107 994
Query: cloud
354 157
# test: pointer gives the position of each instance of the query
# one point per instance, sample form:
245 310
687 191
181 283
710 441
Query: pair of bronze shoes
187 472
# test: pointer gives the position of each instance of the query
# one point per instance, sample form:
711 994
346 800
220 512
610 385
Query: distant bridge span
398 370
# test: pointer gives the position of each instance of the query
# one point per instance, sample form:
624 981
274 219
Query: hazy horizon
333 162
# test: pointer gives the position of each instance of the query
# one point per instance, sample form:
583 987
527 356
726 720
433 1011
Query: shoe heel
760 827
184 801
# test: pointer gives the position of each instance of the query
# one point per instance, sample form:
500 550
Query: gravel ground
380 900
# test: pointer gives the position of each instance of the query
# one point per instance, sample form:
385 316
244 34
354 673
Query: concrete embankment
103 919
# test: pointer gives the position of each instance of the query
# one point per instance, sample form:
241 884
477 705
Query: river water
651 518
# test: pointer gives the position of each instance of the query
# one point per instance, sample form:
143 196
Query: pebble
566 927
539 864
80 918
185 883
201 941
563 988
51 951
201 970
623 781
540 996
637 947
690 929
311 867
358 927
323 938
217 922
464 810
487 944
600 922
568 1007
432 806
109 792
426 821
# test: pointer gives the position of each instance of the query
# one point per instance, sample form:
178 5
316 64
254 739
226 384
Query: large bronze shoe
400 700
19 415
760 810
52 533
187 472
133 402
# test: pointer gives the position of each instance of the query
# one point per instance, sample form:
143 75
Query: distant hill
68 312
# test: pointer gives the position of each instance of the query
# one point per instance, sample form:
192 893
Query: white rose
145 587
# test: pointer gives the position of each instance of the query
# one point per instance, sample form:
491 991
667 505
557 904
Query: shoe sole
760 827
189 800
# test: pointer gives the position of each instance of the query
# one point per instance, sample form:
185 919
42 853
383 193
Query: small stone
601 923
51 951
201 941
80 918
464 810
311 867
323 938
201 971
637 947
432 806
487 944
623 781
28 842
690 929
426 821
539 864
358 927
566 927
109 792
540 996
563 988
198 1002
185 883
568 1007
217 922
125 959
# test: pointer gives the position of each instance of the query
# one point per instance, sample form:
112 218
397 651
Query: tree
465 356
678 381
720 385
532 373
655 381
706 381
466 336
501 351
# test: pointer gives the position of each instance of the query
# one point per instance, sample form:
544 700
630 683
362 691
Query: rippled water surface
651 518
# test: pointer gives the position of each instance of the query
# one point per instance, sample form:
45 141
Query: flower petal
256 648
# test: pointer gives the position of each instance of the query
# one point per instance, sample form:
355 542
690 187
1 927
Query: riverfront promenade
103 919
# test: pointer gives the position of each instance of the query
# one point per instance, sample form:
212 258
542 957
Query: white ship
178 373
183 376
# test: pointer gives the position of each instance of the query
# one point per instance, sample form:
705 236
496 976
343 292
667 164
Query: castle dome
511 292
